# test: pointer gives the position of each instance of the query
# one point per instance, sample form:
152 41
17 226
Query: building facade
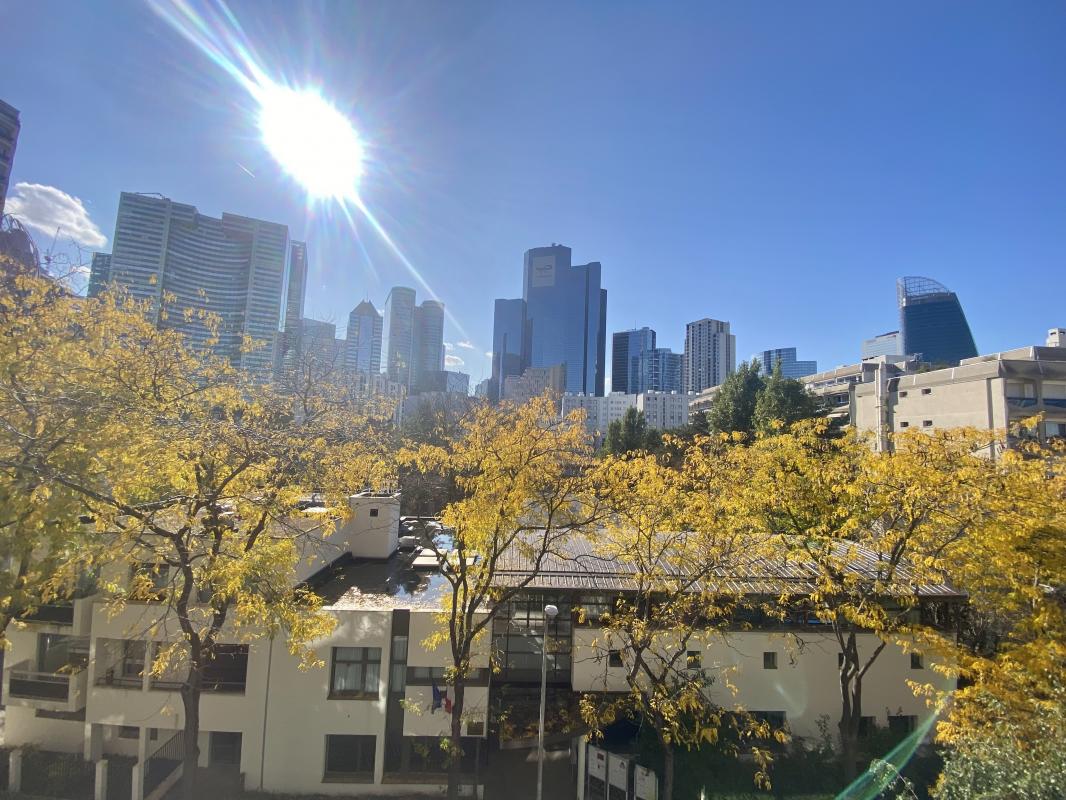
561 320
710 354
99 274
786 357
398 335
9 137
884 344
231 268
533 382
510 344
627 349
661 370
932 323
662 410
362 349
428 345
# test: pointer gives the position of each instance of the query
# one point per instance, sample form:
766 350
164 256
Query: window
373 512
57 652
776 719
1055 429
614 658
927 391
694 660
475 728
904 424
398 664
927 423
349 758
902 394
224 747
902 723
916 661
769 660
355 672
133 653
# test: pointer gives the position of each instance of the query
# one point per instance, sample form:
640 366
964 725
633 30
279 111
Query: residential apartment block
662 410
370 720
710 354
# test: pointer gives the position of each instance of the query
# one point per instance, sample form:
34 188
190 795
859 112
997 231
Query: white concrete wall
805 684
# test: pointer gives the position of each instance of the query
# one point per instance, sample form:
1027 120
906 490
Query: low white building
662 410
374 713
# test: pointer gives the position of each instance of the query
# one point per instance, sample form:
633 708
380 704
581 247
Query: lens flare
311 140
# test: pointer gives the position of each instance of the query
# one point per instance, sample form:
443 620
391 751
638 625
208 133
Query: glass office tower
510 343
398 335
566 311
932 323
626 349
362 351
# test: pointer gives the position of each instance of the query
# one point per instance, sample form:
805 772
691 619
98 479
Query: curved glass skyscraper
932 323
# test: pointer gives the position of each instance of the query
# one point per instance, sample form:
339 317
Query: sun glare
311 140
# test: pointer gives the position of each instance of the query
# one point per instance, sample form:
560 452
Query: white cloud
453 361
467 345
449 346
488 354
45 208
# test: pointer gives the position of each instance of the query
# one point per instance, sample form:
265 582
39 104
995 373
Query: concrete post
137 778
94 741
14 774
100 785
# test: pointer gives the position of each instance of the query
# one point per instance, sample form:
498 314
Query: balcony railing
219 685
29 684
59 613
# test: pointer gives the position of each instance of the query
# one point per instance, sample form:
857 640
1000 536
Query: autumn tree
630 433
781 402
665 534
523 489
196 476
875 531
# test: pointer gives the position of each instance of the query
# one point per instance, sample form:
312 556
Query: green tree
630 434
780 402
733 407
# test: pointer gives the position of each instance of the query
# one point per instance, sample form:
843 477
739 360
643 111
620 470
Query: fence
120 777
164 761
64 775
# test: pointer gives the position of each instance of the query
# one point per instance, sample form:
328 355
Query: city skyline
892 195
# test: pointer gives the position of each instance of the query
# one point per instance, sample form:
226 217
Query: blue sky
777 165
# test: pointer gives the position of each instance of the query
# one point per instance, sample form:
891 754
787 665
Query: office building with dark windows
362 351
9 136
99 274
660 370
398 335
884 344
561 319
791 367
232 268
932 322
626 350
428 347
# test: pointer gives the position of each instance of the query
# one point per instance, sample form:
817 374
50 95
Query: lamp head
550 611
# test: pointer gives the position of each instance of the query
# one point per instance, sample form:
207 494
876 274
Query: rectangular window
133 653
769 660
694 660
349 758
903 394
355 672
927 391
614 658
58 652
927 423
373 512
903 723
904 424
916 661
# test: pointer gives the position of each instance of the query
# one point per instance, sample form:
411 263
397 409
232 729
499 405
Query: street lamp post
550 612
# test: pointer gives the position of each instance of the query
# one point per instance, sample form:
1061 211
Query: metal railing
217 685
33 684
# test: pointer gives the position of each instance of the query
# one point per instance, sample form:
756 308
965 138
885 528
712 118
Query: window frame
350 776
364 661
769 659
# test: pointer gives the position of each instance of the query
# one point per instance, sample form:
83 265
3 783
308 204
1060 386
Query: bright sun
311 140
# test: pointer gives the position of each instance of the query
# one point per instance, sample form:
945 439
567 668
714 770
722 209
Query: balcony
57 613
58 691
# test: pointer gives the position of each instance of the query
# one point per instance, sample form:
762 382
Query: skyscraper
428 345
362 352
9 136
289 348
398 334
786 357
233 267
884 344
319 342
660 371
626 348
566 311
710 354
932 322
510 344
99 274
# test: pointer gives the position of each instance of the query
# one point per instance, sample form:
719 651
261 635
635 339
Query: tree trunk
455 751
190 699
668 772
851 714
